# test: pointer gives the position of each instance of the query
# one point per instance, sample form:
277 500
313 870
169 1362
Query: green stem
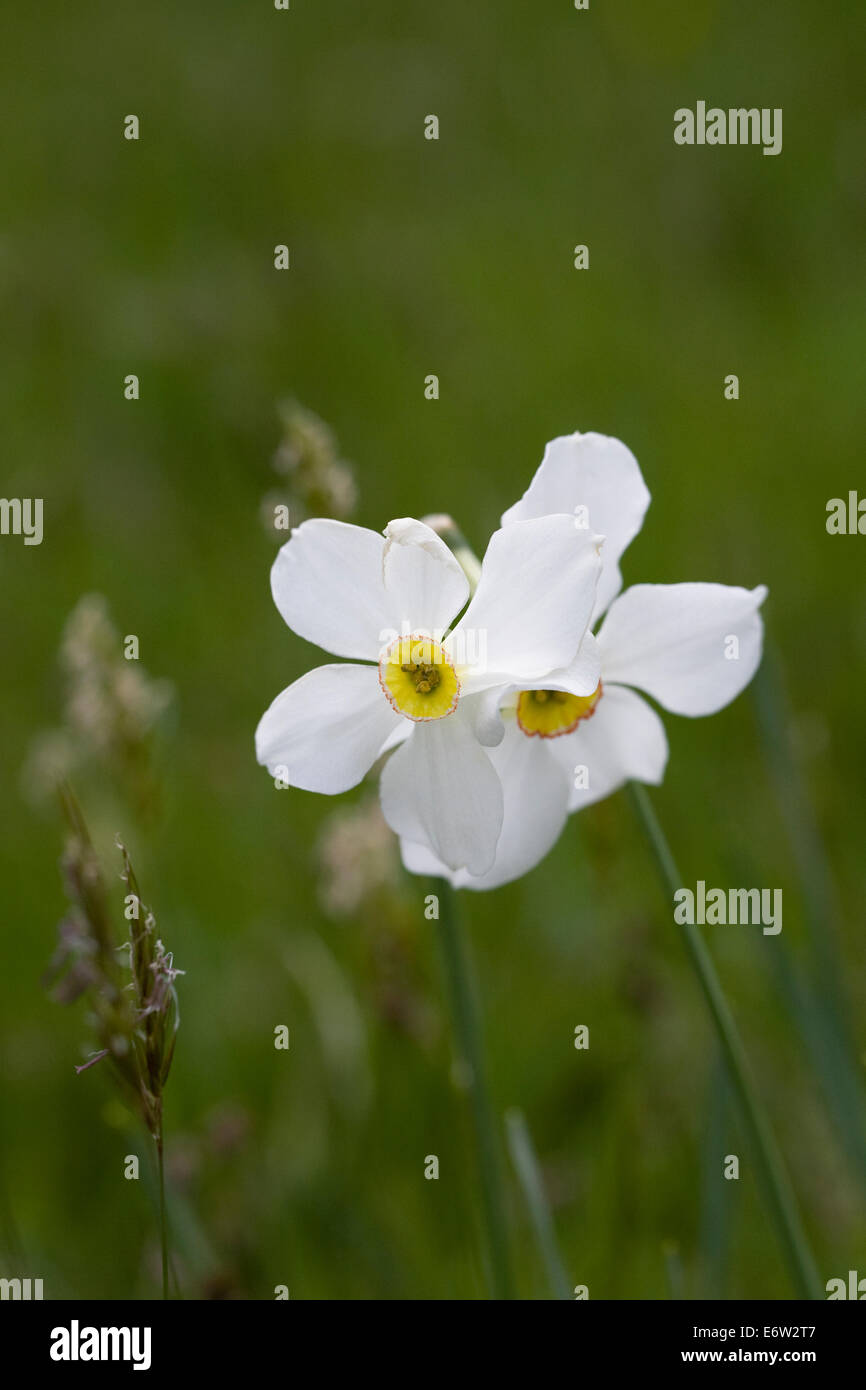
163 1227
532 1184
467 1027
781 1197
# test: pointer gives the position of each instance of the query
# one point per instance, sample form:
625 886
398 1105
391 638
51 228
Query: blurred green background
411 257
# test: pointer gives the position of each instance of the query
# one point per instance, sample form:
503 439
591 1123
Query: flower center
419 679
550 713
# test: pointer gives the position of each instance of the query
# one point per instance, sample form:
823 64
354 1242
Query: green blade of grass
526 1167
775 1181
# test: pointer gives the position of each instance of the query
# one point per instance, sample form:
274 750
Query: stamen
419 679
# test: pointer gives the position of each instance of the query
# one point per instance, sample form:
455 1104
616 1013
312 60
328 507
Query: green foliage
408 257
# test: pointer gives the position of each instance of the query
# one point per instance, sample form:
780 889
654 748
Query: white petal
582 676
623 739
532 605
420 859
327 729
692 647
535 788
398 735
598 473
440 789
327 583
482 711
425 582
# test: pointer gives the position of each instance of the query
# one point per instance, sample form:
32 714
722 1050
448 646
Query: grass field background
411 257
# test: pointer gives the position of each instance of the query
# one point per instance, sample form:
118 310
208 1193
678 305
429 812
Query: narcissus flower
691 647
428 693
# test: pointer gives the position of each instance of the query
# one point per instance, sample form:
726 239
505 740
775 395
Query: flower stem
163 1227
525 1162
467 1027
781 1197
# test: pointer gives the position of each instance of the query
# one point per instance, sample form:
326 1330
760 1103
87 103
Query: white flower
691 647
389 600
